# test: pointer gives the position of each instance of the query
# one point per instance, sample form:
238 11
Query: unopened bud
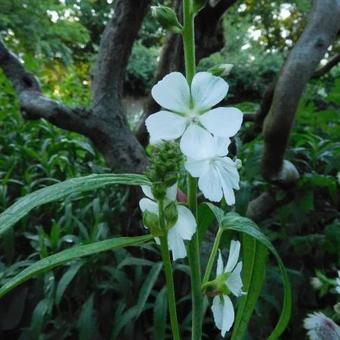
150 220
221 70
167 18
171 214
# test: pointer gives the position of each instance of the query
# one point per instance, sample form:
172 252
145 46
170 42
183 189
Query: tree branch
33 104
105 123
327 67
321 30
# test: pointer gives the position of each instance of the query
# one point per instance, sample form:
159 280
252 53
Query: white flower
222 306
186 106
320 327
206 159
183 229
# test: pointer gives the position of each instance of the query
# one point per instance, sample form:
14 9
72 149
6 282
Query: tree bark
105 122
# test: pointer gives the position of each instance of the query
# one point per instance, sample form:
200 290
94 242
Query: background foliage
98 298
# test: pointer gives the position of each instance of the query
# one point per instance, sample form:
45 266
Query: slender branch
327 67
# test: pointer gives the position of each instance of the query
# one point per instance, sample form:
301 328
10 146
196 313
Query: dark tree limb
321 30
105 123
327 67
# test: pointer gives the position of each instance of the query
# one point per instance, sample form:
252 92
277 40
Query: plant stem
189 40
170 287
193 246
212 256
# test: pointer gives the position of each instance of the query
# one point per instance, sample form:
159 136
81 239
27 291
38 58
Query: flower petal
172 92
209 184
219 267
234 281
234 253
171 192
228 315
147 191
223 312
217 310
221 146
196 168
197 143
176 244
229 178
165 125
207 90
222 121
149 205
186 224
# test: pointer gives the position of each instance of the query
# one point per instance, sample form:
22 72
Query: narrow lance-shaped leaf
253 274
58 259
60 190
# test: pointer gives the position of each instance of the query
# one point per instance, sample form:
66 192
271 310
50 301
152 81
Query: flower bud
171 214
167 18
163 171
151 221
221 70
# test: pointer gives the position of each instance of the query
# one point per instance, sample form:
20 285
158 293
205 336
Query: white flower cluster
204 134
204 131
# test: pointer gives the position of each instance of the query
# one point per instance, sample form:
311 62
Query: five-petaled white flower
320 327
187 106
207 159
222 307
183 229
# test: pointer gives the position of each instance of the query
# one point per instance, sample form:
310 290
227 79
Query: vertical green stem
212 256
193 246
170 287
189 40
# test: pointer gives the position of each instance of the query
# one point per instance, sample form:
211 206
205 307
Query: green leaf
66 280
233 221
67 255
253 273
87 322
147 287
60 190
125 318
160 311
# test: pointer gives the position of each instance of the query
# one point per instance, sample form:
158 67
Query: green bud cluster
164 168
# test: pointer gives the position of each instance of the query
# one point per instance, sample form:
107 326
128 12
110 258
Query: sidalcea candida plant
190 138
